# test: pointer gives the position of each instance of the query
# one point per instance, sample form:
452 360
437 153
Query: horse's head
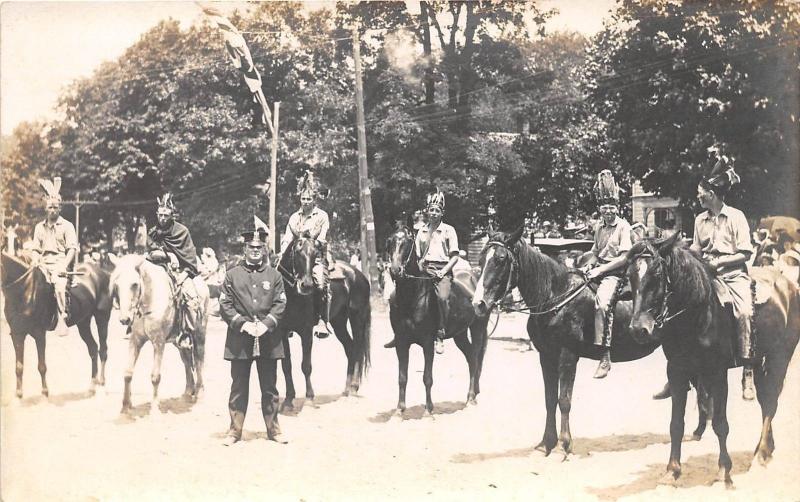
126 287
304 253
399 247
499 268
650 284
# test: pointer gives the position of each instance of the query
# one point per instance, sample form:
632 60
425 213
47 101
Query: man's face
435 214
704 197
254 252
306 201
609 213
164 217
53 209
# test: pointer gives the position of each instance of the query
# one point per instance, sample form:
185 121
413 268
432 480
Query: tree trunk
425 15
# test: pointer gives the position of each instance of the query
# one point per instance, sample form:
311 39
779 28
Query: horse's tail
362 336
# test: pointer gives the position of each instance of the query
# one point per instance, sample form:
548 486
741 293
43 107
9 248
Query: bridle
663 316
513 273
403 274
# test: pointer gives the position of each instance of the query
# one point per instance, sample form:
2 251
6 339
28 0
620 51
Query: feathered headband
722 174
606 190
165 203
51 189
436 199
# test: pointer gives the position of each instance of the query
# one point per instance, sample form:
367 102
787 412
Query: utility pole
273 177
368 253
78 203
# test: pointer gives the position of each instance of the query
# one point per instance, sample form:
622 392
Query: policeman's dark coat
252 293
175 239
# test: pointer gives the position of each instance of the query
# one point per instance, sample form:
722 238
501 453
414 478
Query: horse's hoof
19 394
669 478
542 449
428 414
763 458
288 405
723 477
45 393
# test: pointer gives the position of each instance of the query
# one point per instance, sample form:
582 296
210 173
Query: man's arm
71 243
325 226
695 246
227 309
452 246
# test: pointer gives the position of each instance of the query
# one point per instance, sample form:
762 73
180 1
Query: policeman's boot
235 430
746 354
273 427
599 331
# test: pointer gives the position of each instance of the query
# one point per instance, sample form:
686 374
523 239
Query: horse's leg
464 345
286 367
719 392
479 340
19 352
401 347
85 329
199 354
427 374
549 364
340 330
155 375
567 364
41 345
134 348
769 383
101 320
678 381
307 341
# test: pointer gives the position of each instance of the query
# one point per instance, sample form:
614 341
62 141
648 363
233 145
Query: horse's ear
666 246
515 236
113 259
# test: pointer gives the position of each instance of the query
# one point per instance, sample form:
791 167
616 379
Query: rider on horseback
55 246
310 218
612 240
437 246
722 237
170 242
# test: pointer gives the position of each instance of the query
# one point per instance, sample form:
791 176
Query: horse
561 324
413 312
148 302
30 309
673 287
349 301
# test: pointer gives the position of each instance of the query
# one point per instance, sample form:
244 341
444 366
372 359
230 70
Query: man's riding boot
605 365
322 306
235 430
599 331
438 341
663 393
61 321
746 355
188 322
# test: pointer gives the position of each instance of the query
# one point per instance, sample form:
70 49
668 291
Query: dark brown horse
349 301
30 307
414 318
674 287
562 335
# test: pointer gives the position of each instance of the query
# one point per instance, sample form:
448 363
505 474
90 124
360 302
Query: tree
680 84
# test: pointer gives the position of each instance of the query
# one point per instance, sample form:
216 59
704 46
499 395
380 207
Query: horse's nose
480 308
125 320
641 331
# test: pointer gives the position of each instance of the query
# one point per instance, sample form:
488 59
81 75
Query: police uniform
250 294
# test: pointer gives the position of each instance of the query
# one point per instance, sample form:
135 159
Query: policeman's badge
266 285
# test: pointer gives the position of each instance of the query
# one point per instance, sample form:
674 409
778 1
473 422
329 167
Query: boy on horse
722 238
55 247
612 240
437 246
169 242
310 218
251 303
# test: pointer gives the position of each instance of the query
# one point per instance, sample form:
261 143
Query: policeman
252 302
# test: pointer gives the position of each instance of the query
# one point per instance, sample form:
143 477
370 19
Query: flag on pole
241 58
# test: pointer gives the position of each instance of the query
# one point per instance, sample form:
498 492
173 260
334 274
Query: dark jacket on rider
252 293
175 239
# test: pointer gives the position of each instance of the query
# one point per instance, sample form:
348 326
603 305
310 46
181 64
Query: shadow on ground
696 471
418 412
293 408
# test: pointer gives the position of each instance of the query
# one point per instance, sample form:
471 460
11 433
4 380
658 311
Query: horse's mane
540 276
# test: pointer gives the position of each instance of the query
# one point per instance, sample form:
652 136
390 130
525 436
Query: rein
560 301
19 279
663 316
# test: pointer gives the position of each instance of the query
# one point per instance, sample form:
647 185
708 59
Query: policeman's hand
260 329
248 327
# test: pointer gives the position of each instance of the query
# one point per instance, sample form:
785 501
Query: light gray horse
148 304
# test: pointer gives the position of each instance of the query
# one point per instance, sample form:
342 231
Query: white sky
46 45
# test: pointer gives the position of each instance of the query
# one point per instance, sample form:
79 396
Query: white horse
148 303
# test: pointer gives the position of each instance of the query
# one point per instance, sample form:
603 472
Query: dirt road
77 447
